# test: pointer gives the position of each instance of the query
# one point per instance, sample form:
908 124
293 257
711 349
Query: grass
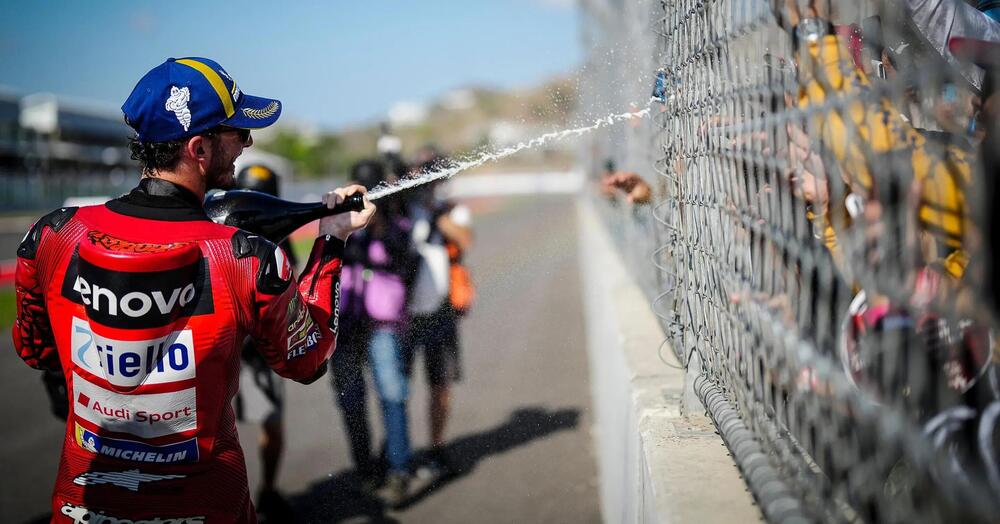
8 307
301 247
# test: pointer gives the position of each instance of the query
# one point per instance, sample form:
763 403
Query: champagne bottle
269 216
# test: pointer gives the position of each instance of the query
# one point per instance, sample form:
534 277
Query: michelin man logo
178 103
89 445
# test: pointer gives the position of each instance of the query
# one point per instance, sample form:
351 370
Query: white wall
656 464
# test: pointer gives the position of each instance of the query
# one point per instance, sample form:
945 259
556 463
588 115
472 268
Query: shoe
273 507
368 482
395 492
436 466
439 458
368 477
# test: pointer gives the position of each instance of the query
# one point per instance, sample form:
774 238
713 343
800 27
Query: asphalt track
520 434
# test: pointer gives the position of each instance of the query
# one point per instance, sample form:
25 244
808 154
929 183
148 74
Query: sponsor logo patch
335 320
303 335
186 451
296 314
129 363
138 300
129 480
99 238
82 515
148 415
178 104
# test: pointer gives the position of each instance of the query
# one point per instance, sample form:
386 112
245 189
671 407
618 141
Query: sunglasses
244 134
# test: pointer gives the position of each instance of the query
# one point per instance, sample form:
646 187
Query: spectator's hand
789 14
460 235
636 190
873 231
807 173
342 225
786 12
607 189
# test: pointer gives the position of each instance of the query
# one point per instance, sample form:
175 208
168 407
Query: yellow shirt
864 134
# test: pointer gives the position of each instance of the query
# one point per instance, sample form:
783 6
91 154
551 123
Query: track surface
521 427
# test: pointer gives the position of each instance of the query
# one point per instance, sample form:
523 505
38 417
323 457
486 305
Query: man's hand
342 225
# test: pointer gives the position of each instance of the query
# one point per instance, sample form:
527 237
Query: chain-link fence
819 239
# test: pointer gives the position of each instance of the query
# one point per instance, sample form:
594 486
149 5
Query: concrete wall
657 462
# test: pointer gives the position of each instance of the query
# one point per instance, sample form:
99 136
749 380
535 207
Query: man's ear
198 149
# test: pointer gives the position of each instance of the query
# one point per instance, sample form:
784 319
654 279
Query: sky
332 64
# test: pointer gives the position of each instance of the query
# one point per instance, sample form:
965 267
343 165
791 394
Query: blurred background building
54 148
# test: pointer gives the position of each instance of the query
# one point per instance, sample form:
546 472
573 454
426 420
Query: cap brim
983 53
255 112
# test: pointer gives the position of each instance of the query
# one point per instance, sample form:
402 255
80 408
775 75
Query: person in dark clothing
441 233
261 398
378 266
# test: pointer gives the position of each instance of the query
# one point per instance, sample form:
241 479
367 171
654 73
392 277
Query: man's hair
154 156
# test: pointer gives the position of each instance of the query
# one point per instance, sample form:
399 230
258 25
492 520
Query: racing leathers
144 303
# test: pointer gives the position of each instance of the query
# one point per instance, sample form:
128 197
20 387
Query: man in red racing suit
144 303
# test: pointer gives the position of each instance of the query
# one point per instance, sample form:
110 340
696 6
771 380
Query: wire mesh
818 243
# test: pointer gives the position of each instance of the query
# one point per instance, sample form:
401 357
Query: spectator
931 324
873 135
388 144
378 266
439 226
938 21
261 398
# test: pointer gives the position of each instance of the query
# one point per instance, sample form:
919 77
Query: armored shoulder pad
55 220
274 273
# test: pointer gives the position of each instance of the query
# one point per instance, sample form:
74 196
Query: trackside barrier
819 250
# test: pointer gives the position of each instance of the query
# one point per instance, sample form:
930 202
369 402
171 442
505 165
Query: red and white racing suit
145 303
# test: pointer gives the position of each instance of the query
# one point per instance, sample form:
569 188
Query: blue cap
184 97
